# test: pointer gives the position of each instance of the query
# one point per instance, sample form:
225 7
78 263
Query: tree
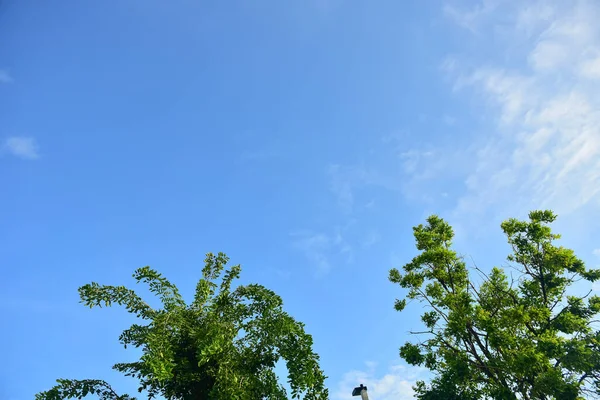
224 345
520 338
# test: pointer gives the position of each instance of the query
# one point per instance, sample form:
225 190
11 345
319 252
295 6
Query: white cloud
591 68
371 238
533 14
321 248
5 76
509 91
450 64
539 109
413 159
399 166
342 185
23 147
346 180
395 384
470 19
549 54
543 151
315 247
596 252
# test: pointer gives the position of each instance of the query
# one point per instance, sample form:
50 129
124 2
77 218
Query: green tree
518 338
224 345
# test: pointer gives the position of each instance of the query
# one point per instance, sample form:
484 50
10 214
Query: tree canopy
523 337
522 332
223 345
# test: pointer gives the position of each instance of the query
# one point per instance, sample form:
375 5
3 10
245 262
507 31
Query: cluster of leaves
224 345
518 338
70 389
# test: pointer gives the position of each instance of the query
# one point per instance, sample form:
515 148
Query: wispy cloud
346 180
536 121
596 252
22 147
470 18
320 248
591 68
544 149
316 247
343 182
5 76
371 238
412 160
393 165
419 172
395 384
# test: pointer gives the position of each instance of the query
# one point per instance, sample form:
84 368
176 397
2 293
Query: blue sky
304 139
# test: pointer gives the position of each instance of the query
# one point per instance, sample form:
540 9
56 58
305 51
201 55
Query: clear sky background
302 138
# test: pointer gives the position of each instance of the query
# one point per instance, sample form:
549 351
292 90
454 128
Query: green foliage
224 345
517 338
78 389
